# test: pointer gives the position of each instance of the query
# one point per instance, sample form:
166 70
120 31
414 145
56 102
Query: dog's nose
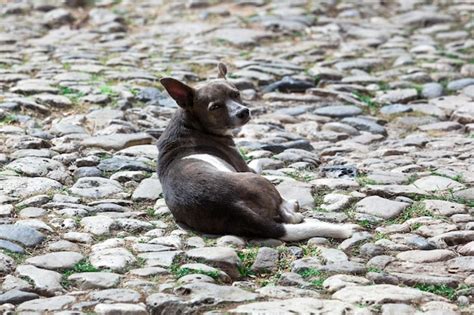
243 113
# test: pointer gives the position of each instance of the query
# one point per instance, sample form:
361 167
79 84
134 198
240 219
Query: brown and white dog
207 184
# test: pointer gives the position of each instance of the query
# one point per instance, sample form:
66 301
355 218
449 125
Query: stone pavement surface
363 111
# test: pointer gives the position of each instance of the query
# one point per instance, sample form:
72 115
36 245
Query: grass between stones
82 266
19 258
301 176
247 257
8 119
315 277
442 289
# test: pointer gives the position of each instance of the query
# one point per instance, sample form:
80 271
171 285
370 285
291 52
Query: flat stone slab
200 292
96 187
437 183
149 190
95 280
25 187
339 111
22 234
295 306
45 281
220 257
56 260
426 256
117 141
381 207
383 294
56 303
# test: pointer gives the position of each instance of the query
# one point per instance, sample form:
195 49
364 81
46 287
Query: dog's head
215 104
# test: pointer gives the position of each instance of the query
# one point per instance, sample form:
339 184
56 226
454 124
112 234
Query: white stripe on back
218 163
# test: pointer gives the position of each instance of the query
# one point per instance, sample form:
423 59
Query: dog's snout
243 113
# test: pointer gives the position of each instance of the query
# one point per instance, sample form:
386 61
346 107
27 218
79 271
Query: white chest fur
216 162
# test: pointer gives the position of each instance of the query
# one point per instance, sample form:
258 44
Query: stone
115 296
302 192
437 183
426 256
97 225
115 259
381 207
201 291
223 258
56 303
444 208
22 234
365 125
295 305
266 260
94 280
397 96
149 190
120 309
26 187
45 281
7 264
339 111
117 141
96 187
57 260
239 36
383 293
432 90
17 297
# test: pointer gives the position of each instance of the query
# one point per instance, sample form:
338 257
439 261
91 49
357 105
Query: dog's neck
185 135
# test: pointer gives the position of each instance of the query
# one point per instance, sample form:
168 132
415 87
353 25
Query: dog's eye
215 106
235 94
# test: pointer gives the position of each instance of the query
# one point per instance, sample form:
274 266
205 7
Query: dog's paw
296 218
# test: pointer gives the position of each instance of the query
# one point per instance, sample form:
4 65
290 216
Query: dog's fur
207 184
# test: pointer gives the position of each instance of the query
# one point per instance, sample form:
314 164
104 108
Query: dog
207 184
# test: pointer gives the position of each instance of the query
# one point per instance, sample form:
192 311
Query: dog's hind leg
288 212
313 228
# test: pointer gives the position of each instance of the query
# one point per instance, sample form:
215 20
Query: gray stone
149 190
381 207
460 84
120 309
437 183
302 192
94 280
17 297
365 125
57 260
96 187
432 90
26 187
47 304
398 96
200 292
117 141
45 281
382 293
294 306
115 296
220 257
21 234
339 111
266 260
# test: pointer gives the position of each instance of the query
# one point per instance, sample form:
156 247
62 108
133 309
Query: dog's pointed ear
221 70
180 92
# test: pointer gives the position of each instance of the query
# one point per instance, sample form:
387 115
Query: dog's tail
314 228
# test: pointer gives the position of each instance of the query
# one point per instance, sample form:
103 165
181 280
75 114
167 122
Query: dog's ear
180 92
221 70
